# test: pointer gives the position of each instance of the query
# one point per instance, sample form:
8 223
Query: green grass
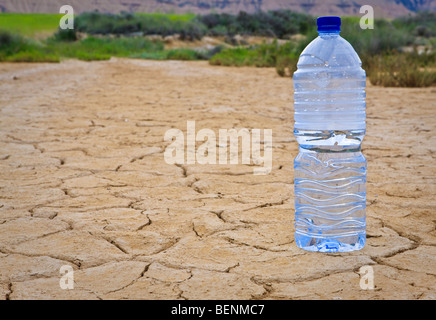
264 55
93 48
174 54
235 57
30 24
32 56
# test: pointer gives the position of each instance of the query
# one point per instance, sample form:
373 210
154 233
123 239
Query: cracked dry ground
84 183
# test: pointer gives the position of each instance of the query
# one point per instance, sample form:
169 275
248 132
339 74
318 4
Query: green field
30 24
40 25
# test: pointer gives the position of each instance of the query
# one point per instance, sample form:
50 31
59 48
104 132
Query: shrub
33 56
399 70
15 48
279 23
411 22
192 31
65 35
91 56
283 57
218 31
423 31
152 55
12 43
258 56
207 54
126 23
286 66
232 57
383 38
182 54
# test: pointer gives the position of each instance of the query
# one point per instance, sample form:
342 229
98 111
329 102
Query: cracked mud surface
83 182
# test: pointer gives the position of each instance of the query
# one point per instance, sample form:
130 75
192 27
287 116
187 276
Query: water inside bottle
330 201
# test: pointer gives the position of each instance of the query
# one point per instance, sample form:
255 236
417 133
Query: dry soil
84 183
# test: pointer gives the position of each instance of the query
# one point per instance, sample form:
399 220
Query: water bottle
330 170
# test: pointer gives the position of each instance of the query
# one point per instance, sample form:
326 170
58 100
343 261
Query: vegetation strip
400 52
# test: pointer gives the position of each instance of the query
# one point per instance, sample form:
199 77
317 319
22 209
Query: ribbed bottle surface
330 170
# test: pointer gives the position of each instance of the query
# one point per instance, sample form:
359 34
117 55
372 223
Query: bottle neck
328 33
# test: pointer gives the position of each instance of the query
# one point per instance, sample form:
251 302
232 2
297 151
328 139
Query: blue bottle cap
329 24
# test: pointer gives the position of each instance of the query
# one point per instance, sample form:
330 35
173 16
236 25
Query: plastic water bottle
330 170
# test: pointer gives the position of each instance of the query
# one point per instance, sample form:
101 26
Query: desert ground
84 183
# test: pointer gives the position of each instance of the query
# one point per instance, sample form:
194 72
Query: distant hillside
382 8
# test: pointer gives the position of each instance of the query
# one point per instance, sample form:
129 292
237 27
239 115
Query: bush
65 35
279 23
12 43
152 55
421 19
423 31
399 70
283 57
192 31
218 31
91 56
232 57
7 38
15 48
286 66
33 56
207 54
383 38
182 54
127 23
243 57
